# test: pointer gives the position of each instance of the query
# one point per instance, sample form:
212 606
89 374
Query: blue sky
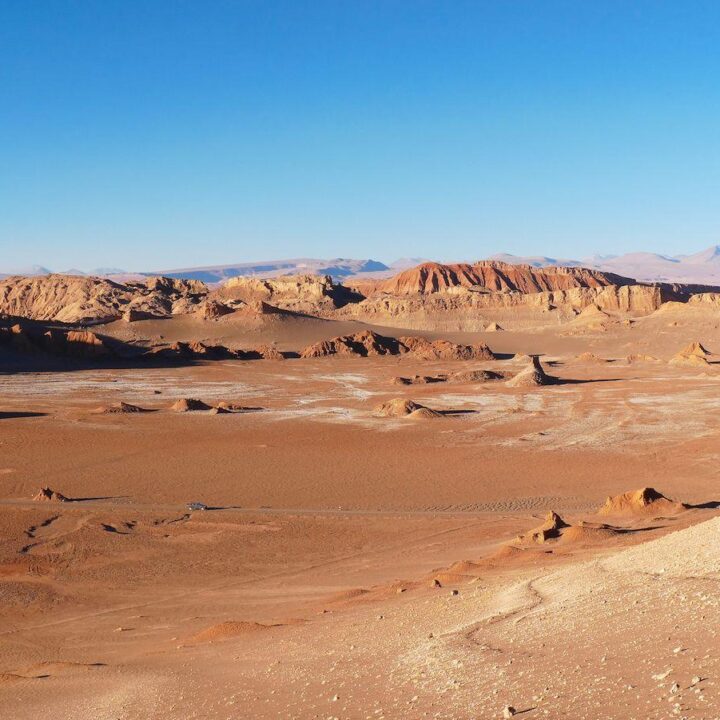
150 135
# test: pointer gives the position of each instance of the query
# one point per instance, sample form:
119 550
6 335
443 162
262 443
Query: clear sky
150 135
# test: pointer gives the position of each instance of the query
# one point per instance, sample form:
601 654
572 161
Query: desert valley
458 491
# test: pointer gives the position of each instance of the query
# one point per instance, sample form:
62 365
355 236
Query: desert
305 509
359 360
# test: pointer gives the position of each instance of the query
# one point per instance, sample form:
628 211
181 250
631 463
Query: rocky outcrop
184 405
75 343
310 294
213 310
463 309
462 376
425 349
496 276
75 299
368 343
645 501
432 296
364 344
550 529
693 354
399 407
47 494
121 408
533 375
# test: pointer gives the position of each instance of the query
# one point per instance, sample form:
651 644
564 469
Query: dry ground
305 591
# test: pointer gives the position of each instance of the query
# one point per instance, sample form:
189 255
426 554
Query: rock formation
368 343
189 405
89 301
121 408
312 294
640 502
365 343
46 494
550 528
399 407
693 354
532 376
496 276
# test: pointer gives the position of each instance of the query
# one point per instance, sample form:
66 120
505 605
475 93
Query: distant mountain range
337 268
699 268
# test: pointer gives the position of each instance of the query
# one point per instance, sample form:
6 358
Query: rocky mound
193 350
462 376
189 405
368 343
228 407
555 528
121 408
214 310
88 300
73 343
494 327
363 344
646 501
588 533
551 528
84 342
588 357
533 375
47 494
475 376
419 380
425 349
495 276
693 354
269 352
399 407
312 294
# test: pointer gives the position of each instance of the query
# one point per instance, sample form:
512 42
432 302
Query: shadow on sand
9 414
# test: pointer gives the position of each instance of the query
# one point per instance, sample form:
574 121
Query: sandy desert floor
352 566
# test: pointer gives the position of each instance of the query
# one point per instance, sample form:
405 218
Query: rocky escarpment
497 277
312 294
484 296
368 344
90 301
470 310
60 342
22 338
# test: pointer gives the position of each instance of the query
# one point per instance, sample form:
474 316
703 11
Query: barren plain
411 523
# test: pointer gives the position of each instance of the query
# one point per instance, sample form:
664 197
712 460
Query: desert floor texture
351 564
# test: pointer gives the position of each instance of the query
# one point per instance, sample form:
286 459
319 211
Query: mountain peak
709 255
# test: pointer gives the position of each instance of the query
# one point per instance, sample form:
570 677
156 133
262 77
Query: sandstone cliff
311 294
495 276
471 310
88 300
